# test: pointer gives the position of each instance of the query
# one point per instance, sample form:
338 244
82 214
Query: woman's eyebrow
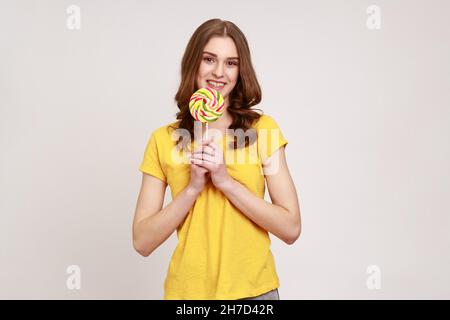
215 55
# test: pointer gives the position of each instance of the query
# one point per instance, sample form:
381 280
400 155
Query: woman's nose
218 71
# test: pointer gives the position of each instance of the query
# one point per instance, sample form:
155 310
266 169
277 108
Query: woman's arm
152 225
282 216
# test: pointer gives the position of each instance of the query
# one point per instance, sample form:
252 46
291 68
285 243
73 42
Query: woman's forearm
274 219
154 230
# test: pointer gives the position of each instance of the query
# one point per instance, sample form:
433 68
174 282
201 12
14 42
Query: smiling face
219 67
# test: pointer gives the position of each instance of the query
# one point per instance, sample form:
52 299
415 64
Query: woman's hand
199 175
210 157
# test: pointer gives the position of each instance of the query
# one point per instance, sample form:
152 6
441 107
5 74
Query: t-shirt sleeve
270 137
151 163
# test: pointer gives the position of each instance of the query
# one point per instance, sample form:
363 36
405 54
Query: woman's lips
215 87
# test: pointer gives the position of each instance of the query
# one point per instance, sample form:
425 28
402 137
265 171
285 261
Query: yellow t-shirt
221 254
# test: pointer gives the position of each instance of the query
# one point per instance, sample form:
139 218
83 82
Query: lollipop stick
206 133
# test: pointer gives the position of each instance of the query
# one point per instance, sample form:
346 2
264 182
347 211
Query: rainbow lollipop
206 105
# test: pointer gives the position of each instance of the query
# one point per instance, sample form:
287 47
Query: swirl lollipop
206 105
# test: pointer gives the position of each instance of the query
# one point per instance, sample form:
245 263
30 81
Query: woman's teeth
216 84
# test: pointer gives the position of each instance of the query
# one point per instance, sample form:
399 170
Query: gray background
366 113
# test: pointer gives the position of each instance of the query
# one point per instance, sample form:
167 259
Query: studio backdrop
359 88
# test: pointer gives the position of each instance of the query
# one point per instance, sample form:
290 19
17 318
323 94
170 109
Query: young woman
218 207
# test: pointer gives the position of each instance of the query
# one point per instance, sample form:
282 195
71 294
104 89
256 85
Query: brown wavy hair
245 94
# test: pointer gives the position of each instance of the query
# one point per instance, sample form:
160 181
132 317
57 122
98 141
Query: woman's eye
208 59
232 63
